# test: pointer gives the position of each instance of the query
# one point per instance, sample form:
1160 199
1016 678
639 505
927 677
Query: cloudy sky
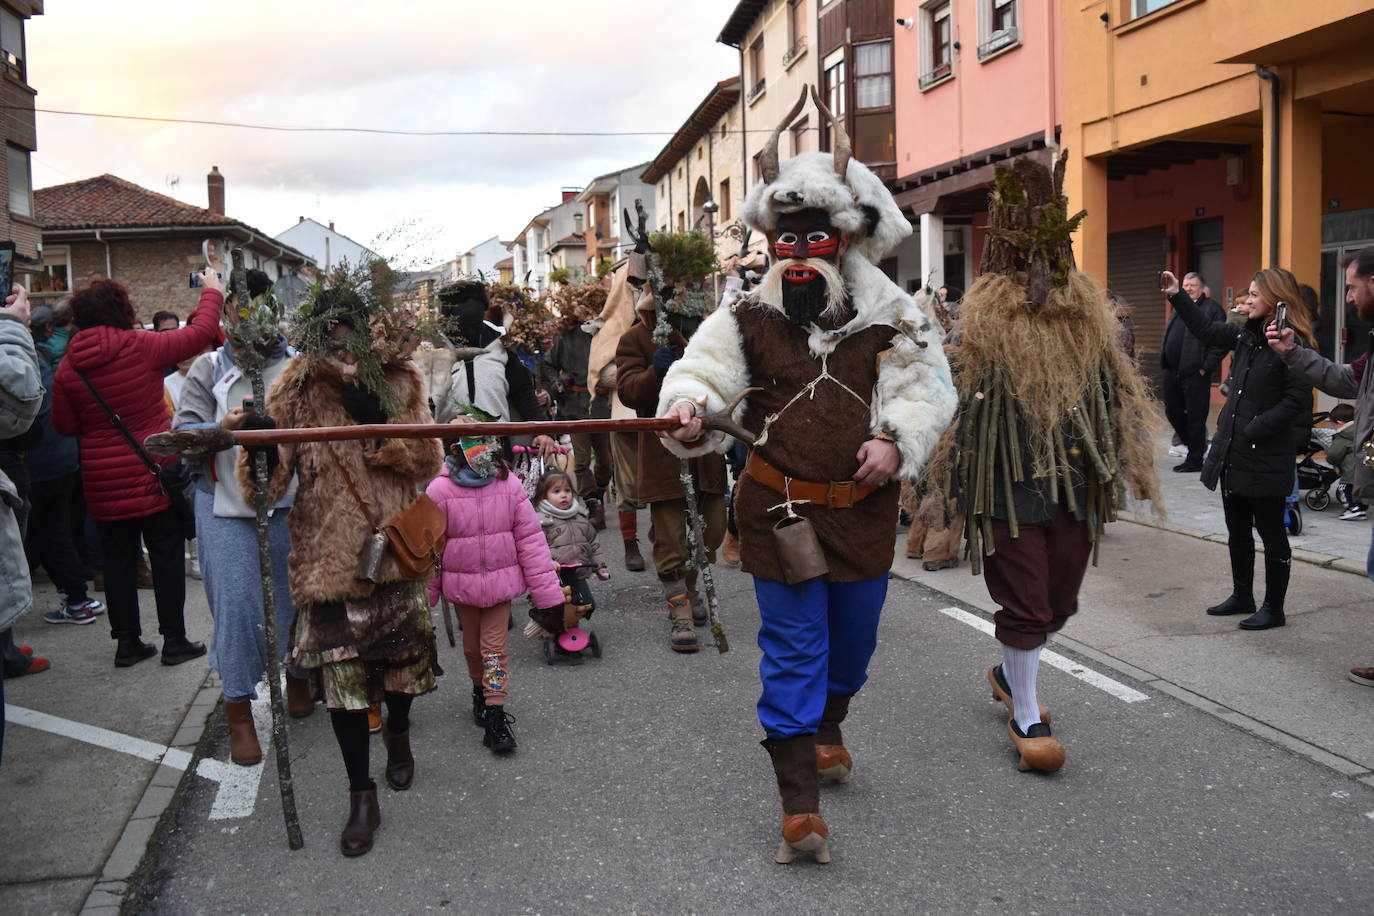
610 65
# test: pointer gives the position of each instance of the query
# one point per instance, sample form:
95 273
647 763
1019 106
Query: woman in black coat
1253 452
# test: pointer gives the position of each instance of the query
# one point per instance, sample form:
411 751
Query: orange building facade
1220 136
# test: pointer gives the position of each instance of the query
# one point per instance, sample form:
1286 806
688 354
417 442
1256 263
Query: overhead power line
282 128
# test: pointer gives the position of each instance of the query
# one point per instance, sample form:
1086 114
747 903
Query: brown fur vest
328 527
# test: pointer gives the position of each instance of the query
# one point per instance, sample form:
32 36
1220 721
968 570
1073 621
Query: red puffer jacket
125 366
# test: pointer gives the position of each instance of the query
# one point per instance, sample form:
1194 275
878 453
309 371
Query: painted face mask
805 276
478 455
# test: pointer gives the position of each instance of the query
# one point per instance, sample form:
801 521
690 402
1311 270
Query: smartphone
195 279
6 268
1163 284
1281 316
249 405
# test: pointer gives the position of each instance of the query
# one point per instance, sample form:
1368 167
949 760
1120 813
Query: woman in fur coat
372 640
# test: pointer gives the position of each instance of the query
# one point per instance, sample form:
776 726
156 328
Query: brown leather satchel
415 538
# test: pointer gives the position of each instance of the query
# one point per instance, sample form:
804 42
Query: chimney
570 193
214 183
301 220
331 225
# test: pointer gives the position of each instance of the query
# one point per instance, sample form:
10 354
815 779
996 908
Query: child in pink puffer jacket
494 553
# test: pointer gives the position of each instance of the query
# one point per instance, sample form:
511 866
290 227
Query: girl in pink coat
495 552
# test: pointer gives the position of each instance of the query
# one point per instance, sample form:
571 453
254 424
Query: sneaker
1363 676
95 607
35 666
1177 451
1355 513
65 614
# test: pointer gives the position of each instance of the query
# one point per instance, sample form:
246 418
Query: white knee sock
1019 667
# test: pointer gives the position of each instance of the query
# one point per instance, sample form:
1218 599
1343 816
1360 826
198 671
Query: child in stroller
1316 478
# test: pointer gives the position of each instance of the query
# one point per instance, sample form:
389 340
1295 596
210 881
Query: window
1142 7
681 221
12 43
701 151
799 136
21 181
756 73
937 41
724 200
997 27
577 224
873 75
796 31
56 273
835 90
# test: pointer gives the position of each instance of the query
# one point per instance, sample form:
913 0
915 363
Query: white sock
1019 667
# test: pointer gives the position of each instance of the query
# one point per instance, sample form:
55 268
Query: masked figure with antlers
849 390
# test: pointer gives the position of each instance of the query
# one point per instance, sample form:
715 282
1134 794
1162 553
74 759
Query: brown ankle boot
832 758
683 635
243 737
803 829
400 763
729 550
299 702
364 817
634 560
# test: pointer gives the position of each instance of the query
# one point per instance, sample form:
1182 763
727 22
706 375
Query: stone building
152 243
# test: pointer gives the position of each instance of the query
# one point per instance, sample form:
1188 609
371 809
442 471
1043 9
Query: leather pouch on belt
799 551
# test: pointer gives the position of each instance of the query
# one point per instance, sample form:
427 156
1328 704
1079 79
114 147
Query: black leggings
350 730
1263 515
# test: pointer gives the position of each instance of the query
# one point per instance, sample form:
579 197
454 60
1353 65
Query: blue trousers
817 639
233 586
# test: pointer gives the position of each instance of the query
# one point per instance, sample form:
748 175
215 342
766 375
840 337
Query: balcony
936 76
999 41
794 53
757 89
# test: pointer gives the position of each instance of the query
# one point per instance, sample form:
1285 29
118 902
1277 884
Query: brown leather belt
837 494
579 389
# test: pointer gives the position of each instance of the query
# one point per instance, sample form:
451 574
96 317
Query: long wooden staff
201 442
251 359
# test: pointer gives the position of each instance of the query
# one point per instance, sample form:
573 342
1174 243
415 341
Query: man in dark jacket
1188 364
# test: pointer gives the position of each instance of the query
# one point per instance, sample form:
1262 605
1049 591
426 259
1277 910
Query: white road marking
238 786
1054 659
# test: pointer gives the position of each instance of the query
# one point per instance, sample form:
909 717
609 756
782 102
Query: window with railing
12 43
873 75
756 71
937 43
796 31
997 26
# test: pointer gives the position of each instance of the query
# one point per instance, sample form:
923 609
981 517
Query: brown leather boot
701 615
400 763
832 758
364 817
683 635
803 829
729 550
634 560
596 514
299 702
243 737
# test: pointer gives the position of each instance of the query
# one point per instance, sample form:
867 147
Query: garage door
1134 260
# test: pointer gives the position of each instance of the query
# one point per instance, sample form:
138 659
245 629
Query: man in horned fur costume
849 390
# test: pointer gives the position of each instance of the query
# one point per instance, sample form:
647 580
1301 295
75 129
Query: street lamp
710 208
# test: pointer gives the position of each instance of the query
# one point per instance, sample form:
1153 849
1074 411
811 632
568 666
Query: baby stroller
1314 477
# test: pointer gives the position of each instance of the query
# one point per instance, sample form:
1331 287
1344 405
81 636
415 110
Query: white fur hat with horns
837 183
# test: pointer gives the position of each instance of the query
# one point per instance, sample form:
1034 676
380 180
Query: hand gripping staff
253 323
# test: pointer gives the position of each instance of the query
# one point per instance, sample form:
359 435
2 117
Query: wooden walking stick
256 329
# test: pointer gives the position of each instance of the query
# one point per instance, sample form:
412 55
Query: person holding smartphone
1188 363
1253 451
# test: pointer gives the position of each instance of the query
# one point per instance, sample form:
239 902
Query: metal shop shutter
1134 260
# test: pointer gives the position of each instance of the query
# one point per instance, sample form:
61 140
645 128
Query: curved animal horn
843 151
768 159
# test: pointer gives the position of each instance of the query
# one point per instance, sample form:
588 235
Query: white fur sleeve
914 399
710 373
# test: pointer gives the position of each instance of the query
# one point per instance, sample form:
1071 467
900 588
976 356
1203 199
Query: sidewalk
1194 510
81 780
